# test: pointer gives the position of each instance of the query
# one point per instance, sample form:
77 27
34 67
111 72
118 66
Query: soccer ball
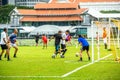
53 56
62 56
77 54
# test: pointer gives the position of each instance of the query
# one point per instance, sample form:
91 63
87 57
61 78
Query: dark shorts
85 48
4 46
63 46
36 41
57 47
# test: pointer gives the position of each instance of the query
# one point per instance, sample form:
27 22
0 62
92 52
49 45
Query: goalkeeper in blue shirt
85 46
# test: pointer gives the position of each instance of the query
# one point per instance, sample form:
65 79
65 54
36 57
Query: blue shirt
83 41
13 38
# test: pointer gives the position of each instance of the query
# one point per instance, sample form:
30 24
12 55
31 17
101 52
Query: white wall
101 5
11 2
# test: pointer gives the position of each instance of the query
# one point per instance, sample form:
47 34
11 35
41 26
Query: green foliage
111 11
5 10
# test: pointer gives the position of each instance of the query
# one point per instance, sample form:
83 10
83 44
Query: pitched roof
51 12
56 6
50 18
77 1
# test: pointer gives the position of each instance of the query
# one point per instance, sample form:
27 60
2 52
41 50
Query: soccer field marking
81 67
30 76
65 75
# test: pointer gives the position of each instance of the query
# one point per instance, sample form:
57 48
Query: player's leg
6 47
1 54
36 42
81 55
8 54
87 51
9 46
63 49
81 50
56 51
46 45
5 55
105 42
105 45
16 50
43 45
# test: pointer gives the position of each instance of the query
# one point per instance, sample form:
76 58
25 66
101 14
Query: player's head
5 29
15 31
37 33
43 34
67 31
80 36
96 32
104 28
59 32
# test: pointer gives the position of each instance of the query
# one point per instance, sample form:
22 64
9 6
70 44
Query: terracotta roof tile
72 0
51 12
47 19
56 6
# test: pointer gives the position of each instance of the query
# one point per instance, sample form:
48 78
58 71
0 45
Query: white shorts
13 45
105 40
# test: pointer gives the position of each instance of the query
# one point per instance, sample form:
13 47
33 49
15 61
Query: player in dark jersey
58 38
37 39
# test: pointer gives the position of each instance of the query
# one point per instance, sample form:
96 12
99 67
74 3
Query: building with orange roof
49 13
68 13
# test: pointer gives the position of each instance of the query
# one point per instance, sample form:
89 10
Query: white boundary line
65 75
30 76
81 67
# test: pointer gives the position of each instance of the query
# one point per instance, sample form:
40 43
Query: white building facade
29 3
95 8
101 5
11 2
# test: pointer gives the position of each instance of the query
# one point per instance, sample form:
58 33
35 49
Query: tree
5 10
110 11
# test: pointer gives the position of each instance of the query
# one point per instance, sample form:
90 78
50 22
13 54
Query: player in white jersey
4 44
63 44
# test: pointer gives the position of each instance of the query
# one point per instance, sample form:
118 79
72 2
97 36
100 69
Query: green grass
35 61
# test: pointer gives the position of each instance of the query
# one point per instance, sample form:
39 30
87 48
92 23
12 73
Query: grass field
35 63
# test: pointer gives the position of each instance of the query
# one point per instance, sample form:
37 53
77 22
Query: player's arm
52 37
79 42
64 38
4 41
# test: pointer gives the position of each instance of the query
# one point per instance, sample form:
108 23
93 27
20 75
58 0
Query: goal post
111 38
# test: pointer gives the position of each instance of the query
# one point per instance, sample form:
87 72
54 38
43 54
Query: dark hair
59 31
4 29
43 34
80 36
68 31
